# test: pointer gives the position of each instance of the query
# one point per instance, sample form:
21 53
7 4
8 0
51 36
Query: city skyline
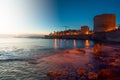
45 16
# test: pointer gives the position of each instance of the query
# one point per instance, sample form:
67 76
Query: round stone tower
104 23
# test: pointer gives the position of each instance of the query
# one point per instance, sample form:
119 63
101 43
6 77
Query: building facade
84 29
104 23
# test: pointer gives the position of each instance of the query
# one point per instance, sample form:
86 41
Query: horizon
45 16
21 35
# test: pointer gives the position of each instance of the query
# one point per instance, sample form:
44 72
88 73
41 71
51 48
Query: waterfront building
71 32
85 30
104 23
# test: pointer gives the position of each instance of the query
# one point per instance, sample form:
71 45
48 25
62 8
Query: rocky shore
99 63
112 36
105 66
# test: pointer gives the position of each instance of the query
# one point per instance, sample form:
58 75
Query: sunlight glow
25 16
8 19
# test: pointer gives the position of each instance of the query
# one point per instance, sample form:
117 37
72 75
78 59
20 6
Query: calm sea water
16 55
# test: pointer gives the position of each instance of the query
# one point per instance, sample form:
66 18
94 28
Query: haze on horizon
45 16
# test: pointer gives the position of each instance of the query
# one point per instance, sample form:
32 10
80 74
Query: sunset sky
45 16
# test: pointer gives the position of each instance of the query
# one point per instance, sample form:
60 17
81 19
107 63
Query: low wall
107 36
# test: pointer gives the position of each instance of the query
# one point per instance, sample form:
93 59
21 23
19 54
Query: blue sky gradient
45 16
76 13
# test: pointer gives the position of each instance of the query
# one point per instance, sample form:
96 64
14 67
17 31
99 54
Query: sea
34 58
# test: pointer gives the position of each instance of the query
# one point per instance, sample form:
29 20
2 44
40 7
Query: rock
105 74
67 51
81 50
97 49
117 55
83 78
54 74
116 50
81 71
117 60
33 62
90 66
113 64
92 76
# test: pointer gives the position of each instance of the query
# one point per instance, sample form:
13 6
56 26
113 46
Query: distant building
84 30
104 23
72 32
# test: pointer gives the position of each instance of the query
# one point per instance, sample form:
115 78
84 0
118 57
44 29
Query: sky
45 16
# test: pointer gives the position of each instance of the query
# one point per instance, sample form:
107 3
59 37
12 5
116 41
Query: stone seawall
70 37
113 36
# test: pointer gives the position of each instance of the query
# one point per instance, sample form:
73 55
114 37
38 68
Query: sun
8 18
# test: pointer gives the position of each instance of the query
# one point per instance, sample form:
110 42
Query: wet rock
54 74
111 59
117 60
105 74
117 55
92 76
67 51
113 64
116 50
97 49
81 50
72 78
81 71
33 62
83 78
90 66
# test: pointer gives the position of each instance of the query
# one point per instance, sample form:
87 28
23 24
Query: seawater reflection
74 42
55 43
87 43
64 43
47 55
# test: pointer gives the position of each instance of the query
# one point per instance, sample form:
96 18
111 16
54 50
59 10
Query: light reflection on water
66 44
55 43
87 43
14 53
74 42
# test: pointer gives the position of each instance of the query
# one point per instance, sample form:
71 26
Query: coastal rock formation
92 76
106 74
54 74
81 72
97 49
113 36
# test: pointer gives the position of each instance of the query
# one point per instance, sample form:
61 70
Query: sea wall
113 36
84 37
